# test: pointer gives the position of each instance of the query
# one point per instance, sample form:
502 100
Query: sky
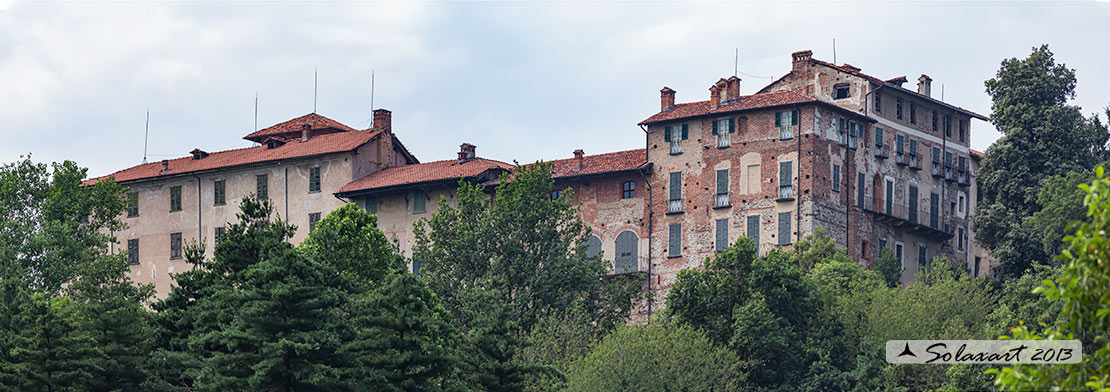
522 81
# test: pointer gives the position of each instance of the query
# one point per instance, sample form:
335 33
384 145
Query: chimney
198 153
466 151
924 85
733 88
801 58
306 132
714 97
578 159
165 164
382 119
666 98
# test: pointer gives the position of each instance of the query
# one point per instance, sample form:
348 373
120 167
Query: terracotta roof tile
295 148
600 163
294 126
422 173
747 102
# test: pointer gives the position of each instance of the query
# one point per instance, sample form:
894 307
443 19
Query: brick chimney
306 132
666 98
578 159
801 58
714 97
733 88
165 164
383 119
924 85
466 151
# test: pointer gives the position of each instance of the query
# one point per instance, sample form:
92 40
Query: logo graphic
983 351
907 351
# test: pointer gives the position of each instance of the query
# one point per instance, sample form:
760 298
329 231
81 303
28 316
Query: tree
1030 109
889 268
661 356
1060 202
349 240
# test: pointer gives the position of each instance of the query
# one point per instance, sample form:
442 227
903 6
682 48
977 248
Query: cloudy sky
522 81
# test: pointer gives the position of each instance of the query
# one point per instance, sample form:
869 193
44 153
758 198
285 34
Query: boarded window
262 186
625 259
676 185
722 234
133 251
674 240
419 197
132 204
593 246
753 229
313 219
314 179
175 199
753 179
784 228
175 246
219 192
722 181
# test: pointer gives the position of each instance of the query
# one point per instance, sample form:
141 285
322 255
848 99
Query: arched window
593 246
625 260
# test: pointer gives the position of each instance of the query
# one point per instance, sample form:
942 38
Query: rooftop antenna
255 110
371 91
942 92
736 64
315 85
834 51
146 137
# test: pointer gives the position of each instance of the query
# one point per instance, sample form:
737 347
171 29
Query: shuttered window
934 210
262 186
175 246
674 240
913 204
922 259
899 143
786 171
133 251
132 204
723 126
676 185
313 219
220 231
625 246
860 182
722 181
722 234
219 192
784 228
593 246
753 229
418 199
675 132
314 179
175 199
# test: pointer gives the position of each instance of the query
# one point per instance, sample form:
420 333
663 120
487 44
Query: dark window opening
841 91
628 190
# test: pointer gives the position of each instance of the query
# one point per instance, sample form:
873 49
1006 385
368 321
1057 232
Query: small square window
841 91
556 194
628 190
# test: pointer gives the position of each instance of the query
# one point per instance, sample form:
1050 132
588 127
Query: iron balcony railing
676 147
674 205
786 192
722 141
851 143
915 162
630 264
937 172
722 200
919 216
962 178
948 174
786 132
901 159
882 151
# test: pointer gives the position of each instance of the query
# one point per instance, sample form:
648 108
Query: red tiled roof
977 154
295 148
601 163
423 172
747 102
294 126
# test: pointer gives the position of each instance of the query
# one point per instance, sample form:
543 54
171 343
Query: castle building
874 163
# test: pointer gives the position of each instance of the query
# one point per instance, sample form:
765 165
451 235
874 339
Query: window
627 254
878 137
963 204
836 178
628 190
371 205
722 188
132 204
840 91
863 249
419 197
960 238
882 245
922 261
978 260
860 182
314 179
555 195
934 121
416 264
220 231
785 122
753 230
313 219
721 128
842 131
934 210
913 113
175 199
262 187
593 246
219 192
674 203
963 130
878 101
947 126
722 234
888 201
786 186
898 255
175 246
674 240
913 147
898 108
899 143
675 134
784 228
133 251
912 204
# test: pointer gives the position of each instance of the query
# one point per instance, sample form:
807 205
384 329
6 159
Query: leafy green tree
1080 288
662 356
1030 109
1060 202
49 352
349 240
889 268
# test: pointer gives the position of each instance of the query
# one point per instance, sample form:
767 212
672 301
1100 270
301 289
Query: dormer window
840 91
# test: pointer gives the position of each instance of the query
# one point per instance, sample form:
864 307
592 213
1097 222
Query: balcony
852 143
900 215
962 178
901 159
722 141
676 147
915 162
786 133
786 193
948 174
882 151
721 201
674 206
937 171
628 265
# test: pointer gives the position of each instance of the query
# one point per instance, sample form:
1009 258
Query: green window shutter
860 189
840 128
684 128
948 159
878 136
794 117
852 128
722 181
913 147
753 229
674 240
784 228
667 133
722 234
899 141
731 125
786 170
936 155
676 185
715 126
418 199
778 119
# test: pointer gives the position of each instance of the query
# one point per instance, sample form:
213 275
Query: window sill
784 139
676 153
173 211
674 256
785 199
722 207
132 216
313 191
219 204
723 147
675 212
